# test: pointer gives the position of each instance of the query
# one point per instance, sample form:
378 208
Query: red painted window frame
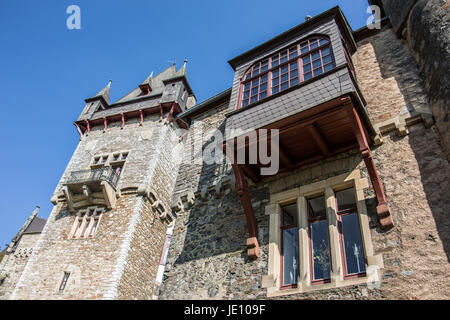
311 260
283 228
298 58
340 213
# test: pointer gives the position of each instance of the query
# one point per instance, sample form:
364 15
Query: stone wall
426 26
15 263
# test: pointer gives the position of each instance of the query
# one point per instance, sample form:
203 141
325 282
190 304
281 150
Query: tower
106 233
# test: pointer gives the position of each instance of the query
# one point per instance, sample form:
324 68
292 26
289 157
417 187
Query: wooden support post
161 113
88 126
78 129
123 119
141 113
384 213
105 123
242 191
170 113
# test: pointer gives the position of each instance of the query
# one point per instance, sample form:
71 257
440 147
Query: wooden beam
242 191
105 124
384 213
284 156
88 126
141 114
255 176
122 117
315 134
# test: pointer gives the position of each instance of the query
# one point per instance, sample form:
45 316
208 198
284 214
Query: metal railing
99 174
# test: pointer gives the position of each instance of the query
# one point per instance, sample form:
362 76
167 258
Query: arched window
285 69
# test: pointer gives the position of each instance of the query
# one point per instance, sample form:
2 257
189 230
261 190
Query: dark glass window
319 241
289 229
287 68
64 281
350 233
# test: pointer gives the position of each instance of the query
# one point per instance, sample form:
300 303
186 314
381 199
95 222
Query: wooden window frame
270 68
273 281
340 214
310 242
282 229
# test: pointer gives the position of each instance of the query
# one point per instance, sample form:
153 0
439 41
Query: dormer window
285 69
145 89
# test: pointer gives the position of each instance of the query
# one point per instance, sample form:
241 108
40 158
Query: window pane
308 76
354 251
254 91
275 90
304 47
275 73
292 53
328 67
284 86
264 65
307 68
254 99
346 199
294 81
293 65
263 94
284 69
248 76
326 59
247 86
275 61
275 81
314 44
317 64
306 60
324 41
244 103
290 254
326 51
246 94
264 78
320 250
255 70
283 57
255 83
317 71
294 74
263 87
284 77
315 55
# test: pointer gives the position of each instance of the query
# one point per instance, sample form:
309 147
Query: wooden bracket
242 191
122 116
88 126
105 124
383 211
141 114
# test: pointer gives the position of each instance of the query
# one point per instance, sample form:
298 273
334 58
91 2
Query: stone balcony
91 187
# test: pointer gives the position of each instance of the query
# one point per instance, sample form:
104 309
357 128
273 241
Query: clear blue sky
46 71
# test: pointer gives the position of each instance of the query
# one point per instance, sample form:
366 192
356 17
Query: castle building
322 173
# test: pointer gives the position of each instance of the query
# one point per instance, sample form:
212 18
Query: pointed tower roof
104 93
38 224
156 83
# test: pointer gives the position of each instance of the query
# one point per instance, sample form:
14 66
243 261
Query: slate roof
156 83
36 226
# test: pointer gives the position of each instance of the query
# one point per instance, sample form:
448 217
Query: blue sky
46 71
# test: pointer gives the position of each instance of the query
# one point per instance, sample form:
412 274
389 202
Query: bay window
320 237
287 68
